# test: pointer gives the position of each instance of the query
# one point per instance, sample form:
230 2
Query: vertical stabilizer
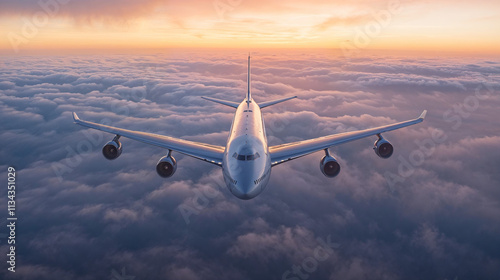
249 95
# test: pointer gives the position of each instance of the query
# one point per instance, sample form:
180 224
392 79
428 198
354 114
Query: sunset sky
431 211
416 25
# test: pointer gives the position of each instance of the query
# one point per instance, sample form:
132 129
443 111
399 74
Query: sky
431 211
421 26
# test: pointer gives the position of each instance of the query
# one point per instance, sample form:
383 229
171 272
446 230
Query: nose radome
246 196
245 190
248 189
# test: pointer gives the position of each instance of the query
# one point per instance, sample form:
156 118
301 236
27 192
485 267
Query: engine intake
166 166
383 148
329 166
112 149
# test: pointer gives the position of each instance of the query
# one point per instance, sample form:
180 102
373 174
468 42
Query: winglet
422 116
75 117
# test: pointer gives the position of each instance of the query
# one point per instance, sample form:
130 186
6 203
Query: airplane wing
285 152
205 152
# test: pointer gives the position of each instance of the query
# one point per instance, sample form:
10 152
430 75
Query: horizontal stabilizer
269 103
223 102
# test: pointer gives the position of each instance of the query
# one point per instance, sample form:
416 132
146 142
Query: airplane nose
246 190
246 196
245 174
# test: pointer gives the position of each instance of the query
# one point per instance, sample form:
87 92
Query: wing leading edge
202 151
285 152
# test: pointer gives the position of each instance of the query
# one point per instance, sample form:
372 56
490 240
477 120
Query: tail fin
249 95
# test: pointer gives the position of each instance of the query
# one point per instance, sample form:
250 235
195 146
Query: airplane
246 160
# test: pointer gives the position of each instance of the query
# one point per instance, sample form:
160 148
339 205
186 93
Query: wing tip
422 116
75 117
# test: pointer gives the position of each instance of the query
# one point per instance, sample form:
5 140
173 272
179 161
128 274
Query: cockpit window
252 157
246 157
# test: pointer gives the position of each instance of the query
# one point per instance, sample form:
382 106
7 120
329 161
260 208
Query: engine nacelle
383 148
329 166
166 166
112 149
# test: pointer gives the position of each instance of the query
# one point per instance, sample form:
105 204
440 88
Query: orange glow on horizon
415 26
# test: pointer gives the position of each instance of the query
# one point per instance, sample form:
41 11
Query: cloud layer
81 216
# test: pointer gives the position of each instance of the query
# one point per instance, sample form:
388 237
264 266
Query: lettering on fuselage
231 180
262 177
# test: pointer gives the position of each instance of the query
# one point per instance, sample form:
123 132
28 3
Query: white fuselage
247 165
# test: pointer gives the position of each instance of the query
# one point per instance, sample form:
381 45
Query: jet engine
166 166
112 149
329 166
383 148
